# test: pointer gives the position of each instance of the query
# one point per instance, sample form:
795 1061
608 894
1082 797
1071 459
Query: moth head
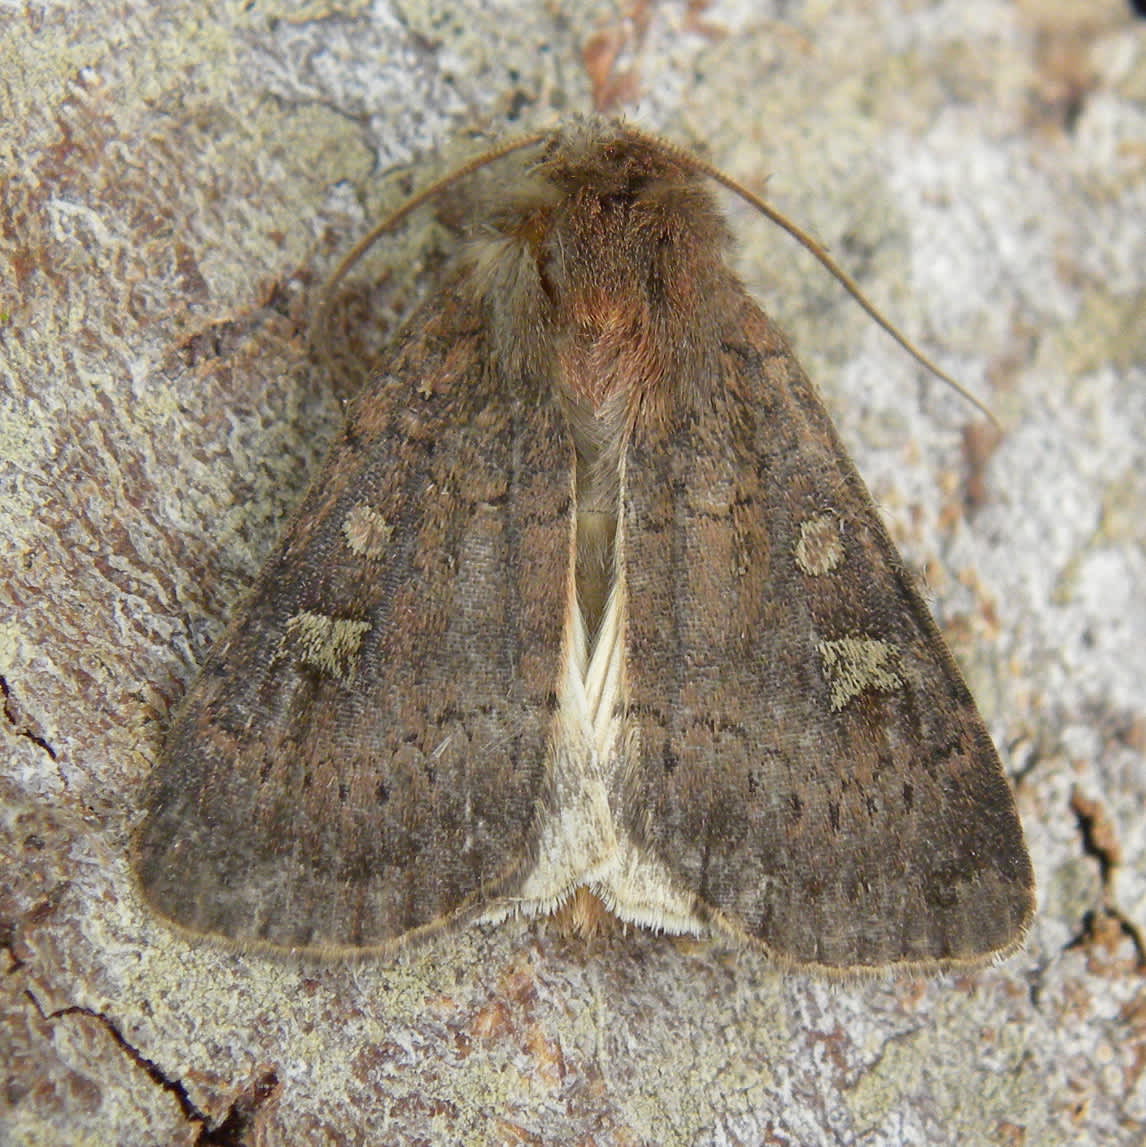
613 242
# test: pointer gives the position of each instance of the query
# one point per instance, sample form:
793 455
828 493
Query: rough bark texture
170 196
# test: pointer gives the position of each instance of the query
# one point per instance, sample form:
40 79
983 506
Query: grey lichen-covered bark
173 188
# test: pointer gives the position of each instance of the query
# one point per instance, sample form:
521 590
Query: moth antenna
519 143
322 314
834 269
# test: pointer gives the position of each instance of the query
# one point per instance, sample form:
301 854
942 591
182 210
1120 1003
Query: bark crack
1107 924
235 1127
22 726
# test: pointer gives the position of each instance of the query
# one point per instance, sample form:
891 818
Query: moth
589 606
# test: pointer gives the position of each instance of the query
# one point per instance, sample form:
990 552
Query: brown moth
588 598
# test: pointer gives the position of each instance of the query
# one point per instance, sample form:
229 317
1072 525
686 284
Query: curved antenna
318 325
686 159
833 268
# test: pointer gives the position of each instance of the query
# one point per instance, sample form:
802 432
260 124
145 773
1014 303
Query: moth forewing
305 787
589 598
862 818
